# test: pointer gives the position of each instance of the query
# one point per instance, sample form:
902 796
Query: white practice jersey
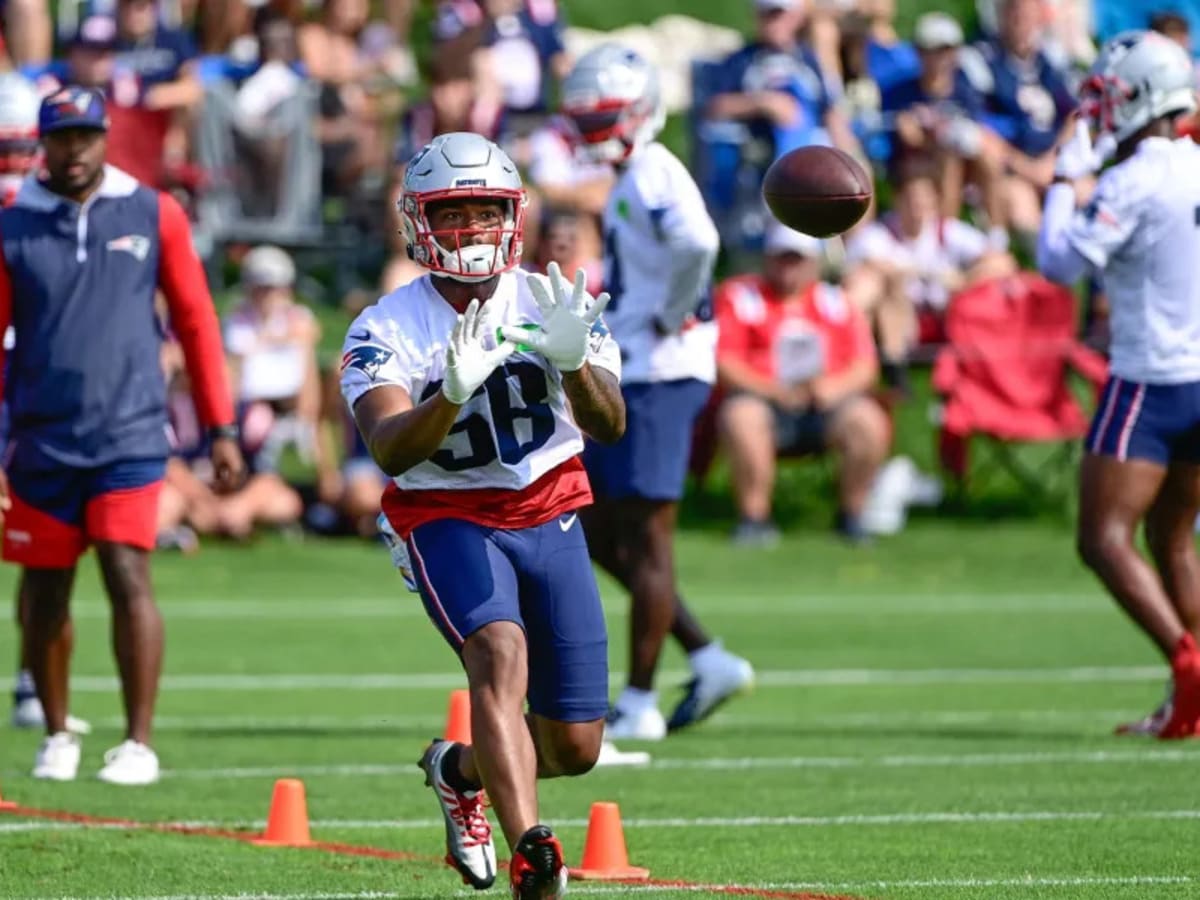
658 235
516 428
1142 229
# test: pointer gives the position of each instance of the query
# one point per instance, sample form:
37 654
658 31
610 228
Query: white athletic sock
709 657
634 700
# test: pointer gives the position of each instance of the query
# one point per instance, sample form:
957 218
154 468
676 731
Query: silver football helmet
1138 77
456 166
612 98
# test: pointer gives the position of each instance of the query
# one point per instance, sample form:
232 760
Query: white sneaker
28 714
611 756
130 764
646 724
57 758
469 847
712 686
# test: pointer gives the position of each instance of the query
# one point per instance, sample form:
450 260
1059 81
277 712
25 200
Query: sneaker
1185 708
536 871
469 847
752 533
1152 724
611 756
27 713
130 764
57 758
710 688
646 724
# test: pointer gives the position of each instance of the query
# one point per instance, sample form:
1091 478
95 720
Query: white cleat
710 688
469 847
57 758
646 724
130 764
28 713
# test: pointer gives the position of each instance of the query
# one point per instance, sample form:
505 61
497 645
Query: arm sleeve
1057 259
193 318
691 246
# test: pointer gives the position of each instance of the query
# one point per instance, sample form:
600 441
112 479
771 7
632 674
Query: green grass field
932 721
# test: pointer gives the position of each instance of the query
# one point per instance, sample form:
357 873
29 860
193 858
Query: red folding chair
1004 375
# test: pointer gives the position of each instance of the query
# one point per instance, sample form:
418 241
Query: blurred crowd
285 126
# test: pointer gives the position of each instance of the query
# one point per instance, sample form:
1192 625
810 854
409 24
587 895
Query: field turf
932 721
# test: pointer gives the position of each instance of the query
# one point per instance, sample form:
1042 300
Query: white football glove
468 362
567 321
1078 157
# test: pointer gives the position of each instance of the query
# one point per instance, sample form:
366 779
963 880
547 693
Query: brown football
820 191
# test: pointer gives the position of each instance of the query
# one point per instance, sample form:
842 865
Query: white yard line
1137 756
770 678
883 820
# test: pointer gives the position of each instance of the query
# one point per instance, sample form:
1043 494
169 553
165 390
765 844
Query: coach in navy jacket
83 250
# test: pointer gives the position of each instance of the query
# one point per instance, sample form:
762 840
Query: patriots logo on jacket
367 358
137 245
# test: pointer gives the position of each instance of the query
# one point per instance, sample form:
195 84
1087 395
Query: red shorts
56 513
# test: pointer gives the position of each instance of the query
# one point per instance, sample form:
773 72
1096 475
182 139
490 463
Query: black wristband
229 432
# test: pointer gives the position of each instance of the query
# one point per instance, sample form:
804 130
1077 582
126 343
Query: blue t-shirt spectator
1025 101
889 64
760 68
159 58
962 102
523 45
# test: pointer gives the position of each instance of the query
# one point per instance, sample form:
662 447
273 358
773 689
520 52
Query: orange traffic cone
287 822
604 855
7 804
458 717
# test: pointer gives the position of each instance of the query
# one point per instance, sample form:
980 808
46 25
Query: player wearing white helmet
19 104
1140 230
660 246
472 387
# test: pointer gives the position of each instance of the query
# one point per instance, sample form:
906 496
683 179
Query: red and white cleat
469 847
537 871
1185 710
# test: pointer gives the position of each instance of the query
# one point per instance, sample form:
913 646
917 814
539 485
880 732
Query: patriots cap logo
73 107
366 358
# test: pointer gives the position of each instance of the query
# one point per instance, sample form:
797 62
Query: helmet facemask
453 253
609 131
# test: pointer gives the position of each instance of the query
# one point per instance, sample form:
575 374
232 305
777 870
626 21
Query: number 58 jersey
516 429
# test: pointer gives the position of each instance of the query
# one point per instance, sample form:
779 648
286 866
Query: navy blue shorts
1157 422
651 459
540 578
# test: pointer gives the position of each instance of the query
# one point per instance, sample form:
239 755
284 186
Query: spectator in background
572 240
271 341
28 32
777 89
889 59
935 113
862 98
522 55
905 267
1026 101
795 363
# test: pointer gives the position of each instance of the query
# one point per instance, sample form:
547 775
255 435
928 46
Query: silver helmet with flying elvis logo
455 167
612 98
1138 77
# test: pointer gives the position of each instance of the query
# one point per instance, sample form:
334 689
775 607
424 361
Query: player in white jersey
660 246
1141 230
473 386
19 151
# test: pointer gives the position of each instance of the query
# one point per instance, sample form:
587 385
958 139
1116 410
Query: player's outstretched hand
567 320
229 467
468 362
1078 157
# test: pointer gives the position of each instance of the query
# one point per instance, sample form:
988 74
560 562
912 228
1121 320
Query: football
819 191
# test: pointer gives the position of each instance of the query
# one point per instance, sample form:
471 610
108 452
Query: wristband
228 432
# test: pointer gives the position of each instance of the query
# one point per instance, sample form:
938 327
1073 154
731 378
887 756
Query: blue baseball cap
73 107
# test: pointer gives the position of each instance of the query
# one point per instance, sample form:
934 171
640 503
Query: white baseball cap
937 31
781 239
268 266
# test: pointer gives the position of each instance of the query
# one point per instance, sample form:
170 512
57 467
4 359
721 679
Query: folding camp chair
1004 376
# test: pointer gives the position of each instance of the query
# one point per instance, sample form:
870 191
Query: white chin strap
479 262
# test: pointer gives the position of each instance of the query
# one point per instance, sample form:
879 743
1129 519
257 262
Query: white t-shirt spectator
949 245
274 353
